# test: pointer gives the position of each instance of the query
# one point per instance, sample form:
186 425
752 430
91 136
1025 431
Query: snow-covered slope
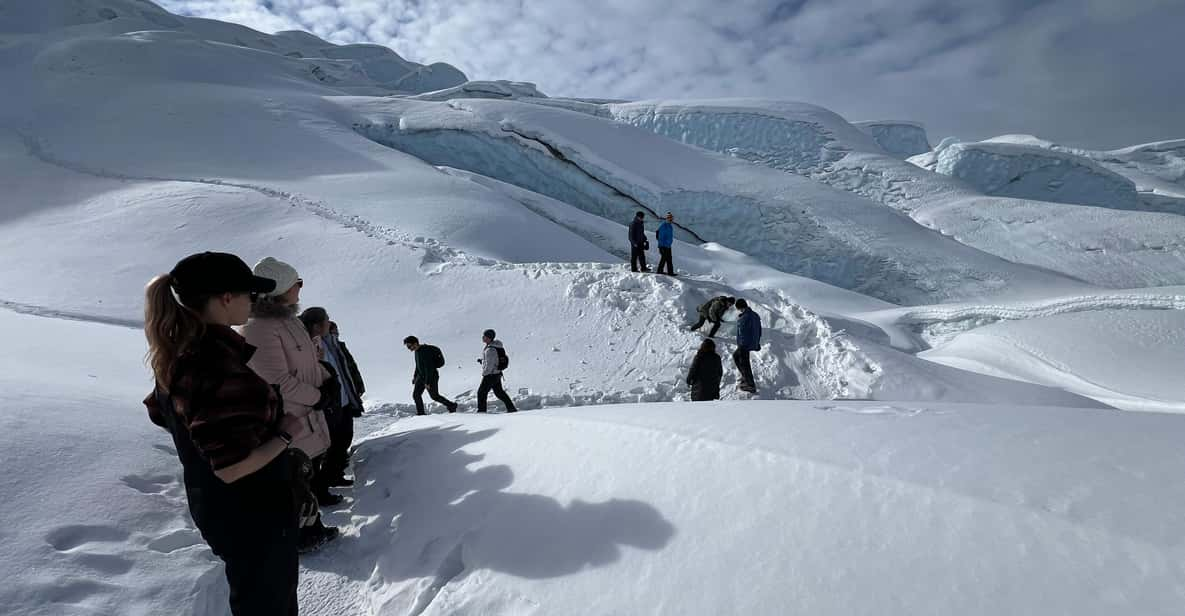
795 506
137 137
899 138
1089 353
1030 172
612 169
351 68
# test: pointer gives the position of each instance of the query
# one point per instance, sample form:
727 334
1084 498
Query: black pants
434 392
262 571
341 435
637 258
665 260
700 323
740 357
493 382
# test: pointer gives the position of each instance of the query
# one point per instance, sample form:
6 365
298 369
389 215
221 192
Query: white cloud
1088 72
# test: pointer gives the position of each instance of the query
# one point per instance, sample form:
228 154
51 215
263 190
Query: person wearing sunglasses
228 426
287 357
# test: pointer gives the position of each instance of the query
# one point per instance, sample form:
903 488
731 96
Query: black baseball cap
217 272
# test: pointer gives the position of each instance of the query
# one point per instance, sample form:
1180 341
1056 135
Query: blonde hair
170 326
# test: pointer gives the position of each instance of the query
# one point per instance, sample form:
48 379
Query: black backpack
503 358
438 355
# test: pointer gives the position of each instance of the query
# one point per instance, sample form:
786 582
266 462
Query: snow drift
901 139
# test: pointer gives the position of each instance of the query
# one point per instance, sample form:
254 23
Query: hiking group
262 418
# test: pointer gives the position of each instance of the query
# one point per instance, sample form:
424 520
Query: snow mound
781 134
899 138
1033 172
359 68
1011 509
1126 358
484 89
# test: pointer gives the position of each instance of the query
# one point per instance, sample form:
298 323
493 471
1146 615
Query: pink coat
286 356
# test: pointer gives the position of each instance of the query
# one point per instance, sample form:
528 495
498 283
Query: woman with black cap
228 427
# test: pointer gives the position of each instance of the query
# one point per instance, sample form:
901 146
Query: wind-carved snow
1028 172
899 138
787 221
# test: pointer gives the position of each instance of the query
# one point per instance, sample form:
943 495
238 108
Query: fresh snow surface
901 139
137 137
1085 352
803 506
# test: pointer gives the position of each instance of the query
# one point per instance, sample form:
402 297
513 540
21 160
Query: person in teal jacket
666 238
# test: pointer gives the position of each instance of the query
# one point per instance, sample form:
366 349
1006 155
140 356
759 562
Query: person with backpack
638 243
493 361
286 356
705 373
666 239
748 340
713 312
229 427
429 361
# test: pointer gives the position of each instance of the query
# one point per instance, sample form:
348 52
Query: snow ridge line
434 250
69 315
1084 303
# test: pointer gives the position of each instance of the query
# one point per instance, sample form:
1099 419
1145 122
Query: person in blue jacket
638 243
748 340
666 238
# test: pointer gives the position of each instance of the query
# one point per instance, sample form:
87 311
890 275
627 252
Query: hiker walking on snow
493 361
748 340
228 426
429 360
666 238
705 373
713 312
638 243
286 357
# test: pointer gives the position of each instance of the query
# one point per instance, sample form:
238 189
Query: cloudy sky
1095 73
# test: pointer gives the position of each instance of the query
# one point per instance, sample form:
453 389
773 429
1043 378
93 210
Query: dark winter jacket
704 376
715 308
748 331
352 368
426 370
218 411
637 233
665 235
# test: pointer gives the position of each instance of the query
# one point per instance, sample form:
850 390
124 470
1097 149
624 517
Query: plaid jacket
227 408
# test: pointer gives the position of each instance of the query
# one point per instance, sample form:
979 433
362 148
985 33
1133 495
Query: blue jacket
749 331
637 233
665 235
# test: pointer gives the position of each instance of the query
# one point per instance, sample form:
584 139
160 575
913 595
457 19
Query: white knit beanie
285 275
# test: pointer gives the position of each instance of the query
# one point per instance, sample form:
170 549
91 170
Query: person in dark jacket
666 238
748 340
427 375
491 374
638 243
705 373
347 405
228 426
713 312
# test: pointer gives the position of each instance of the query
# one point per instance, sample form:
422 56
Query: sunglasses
254 295
300 283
